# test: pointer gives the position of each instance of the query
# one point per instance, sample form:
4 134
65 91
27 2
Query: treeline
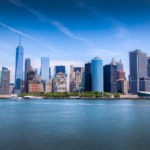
74 94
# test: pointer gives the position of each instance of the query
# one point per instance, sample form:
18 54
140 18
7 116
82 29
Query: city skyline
73 31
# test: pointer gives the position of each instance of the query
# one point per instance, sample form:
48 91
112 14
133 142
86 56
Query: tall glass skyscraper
88 84
27 69
45 68
19 68
97 74
27 66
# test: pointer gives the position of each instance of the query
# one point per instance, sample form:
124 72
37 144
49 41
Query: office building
148 66
11 88
144 84
76 78
45 68
50 74
48 86
59 83
59 69
0 78
88 81
5 81
27 69
138 69
123 86
97 74
34 84
110 78
19 69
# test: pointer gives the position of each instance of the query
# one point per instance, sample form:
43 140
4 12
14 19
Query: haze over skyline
73 31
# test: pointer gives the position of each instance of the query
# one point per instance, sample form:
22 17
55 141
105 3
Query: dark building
148 66
30 77
138 69
144 84
88 83
59 69
27 69
110 78
5 81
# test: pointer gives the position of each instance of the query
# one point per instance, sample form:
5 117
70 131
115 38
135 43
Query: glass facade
97 74
87 83
27 66
19 68
45 68
59 69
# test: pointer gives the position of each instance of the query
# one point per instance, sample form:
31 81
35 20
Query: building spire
19 40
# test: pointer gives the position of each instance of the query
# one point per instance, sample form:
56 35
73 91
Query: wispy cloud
28 36
51 21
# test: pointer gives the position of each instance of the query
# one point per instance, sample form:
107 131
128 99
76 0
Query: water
75 125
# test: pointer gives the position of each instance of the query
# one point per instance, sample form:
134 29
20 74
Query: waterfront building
45 68
5 81
76 78
123 86
0 78
59 69
27 69
48 86
144 84
97 74
59 83
11 88
138 69
19 69
35 85
110 78
30 77
88 82
148 66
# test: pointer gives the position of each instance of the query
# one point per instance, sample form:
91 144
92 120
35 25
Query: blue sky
73 31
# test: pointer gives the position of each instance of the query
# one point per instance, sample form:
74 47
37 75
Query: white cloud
28 36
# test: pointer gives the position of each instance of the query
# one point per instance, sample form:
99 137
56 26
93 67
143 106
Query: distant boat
144 94
15 97
32 97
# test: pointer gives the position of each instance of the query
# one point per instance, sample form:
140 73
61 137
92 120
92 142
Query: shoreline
81 98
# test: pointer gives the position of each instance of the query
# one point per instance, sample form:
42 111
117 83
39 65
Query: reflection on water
74 125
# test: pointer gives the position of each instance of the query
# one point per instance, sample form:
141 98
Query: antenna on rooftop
19 40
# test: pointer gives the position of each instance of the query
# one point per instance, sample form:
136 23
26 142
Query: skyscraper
88 82
97 74
5 81
76 78
59 83
19 69
27 69
45 68
27 66
138 69
59 69
148 66
0 78
110 78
